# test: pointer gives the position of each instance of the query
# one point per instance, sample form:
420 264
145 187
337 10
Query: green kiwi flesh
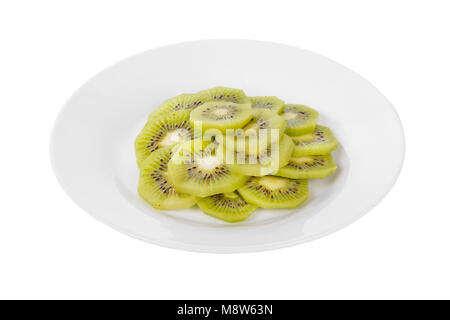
300 119
275 192
265 162
222 115
164 131
226 94
320 142
156 187
196 169
181 102
265 124
265 119
230 207
271 103
308 167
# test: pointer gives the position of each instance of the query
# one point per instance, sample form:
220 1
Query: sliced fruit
229 207
222 115
265 124
181 102
264 120
160 132
300 119
226 94
156 187
270 103
319 142
262 163
196 169
275 192
308 167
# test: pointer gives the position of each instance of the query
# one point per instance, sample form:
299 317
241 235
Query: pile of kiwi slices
230 154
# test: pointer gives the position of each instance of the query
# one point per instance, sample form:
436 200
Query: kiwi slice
271 103
226 94
300 119
261 125
264 162
156 187
275 192
229 207
181 102
196 169
319 142
160 132
308 167
265 119
222 115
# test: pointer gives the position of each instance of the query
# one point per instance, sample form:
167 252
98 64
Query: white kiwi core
174 136
273 183
221 112
208 163
290 116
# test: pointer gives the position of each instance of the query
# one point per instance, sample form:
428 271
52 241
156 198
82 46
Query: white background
49 248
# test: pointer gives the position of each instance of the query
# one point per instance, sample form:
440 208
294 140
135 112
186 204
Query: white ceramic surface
93 158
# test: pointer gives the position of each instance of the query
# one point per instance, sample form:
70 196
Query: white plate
93 154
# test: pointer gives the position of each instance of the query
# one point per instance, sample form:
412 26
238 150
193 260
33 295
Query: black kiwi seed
254 158
198 173
262 124
264 105
302 114
308 164
158 177
194 171
192 105
290 190
221 201
230 98
153 143
319 138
